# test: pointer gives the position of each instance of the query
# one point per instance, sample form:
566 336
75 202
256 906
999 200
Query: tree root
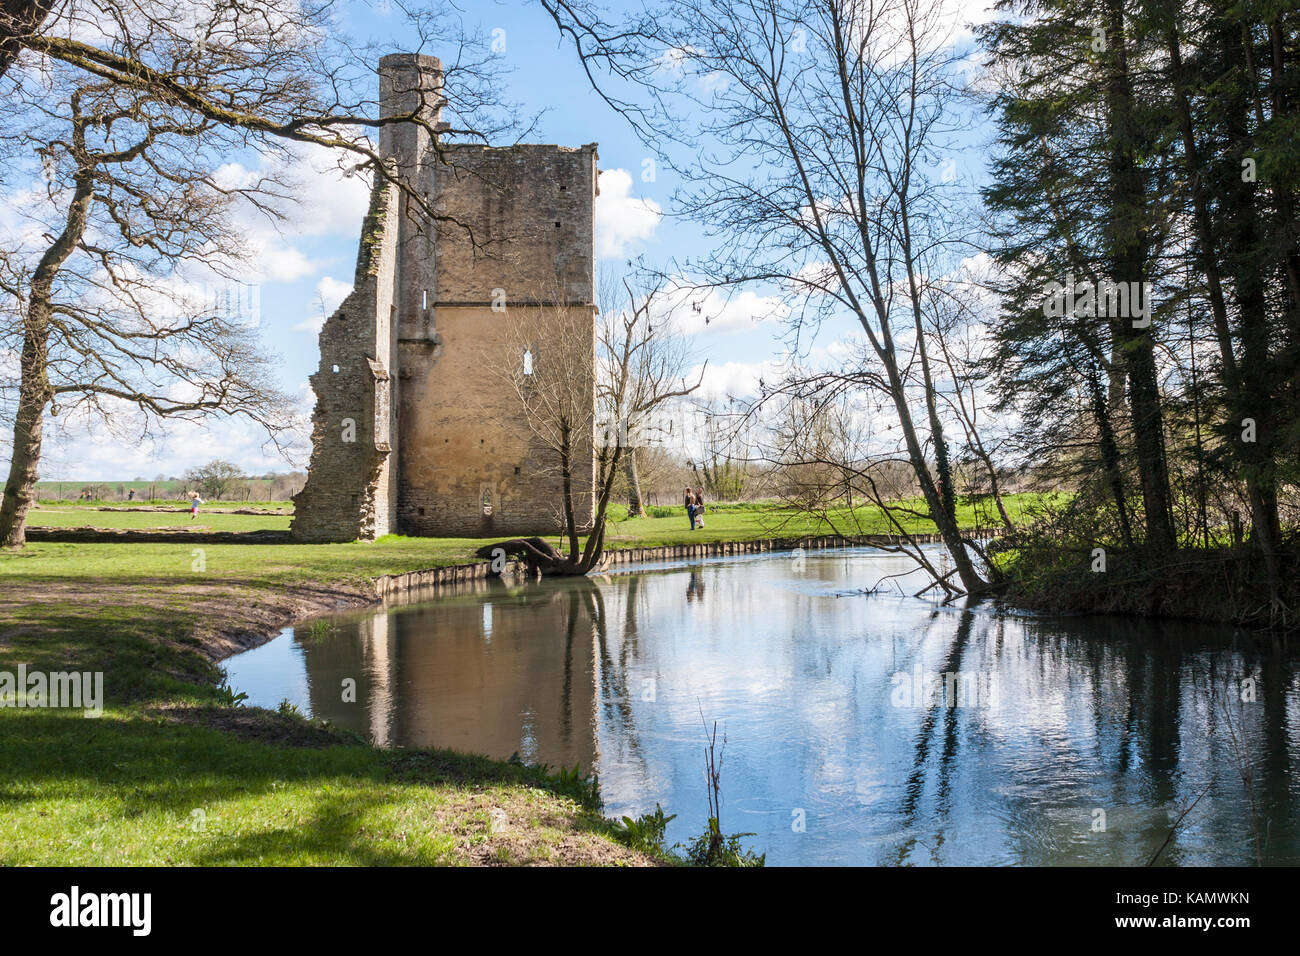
539 556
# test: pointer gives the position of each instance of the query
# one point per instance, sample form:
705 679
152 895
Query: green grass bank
175 772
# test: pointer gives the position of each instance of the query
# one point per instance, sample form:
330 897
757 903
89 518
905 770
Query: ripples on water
1074 741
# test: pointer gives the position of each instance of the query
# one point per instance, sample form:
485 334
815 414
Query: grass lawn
749 521
270 788
723 522
73 516
140 787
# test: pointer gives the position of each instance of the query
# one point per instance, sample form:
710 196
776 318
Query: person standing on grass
195 501
690 507
699 507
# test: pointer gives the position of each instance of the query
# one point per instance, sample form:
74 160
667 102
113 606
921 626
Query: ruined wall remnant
351 480
427 341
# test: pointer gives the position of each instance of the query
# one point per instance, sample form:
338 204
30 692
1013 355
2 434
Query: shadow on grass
62 775
149 637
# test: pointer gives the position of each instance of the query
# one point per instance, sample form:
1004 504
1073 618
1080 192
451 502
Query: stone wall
348 494
531 211
520 277
443 310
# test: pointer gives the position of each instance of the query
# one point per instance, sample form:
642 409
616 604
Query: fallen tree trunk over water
539 556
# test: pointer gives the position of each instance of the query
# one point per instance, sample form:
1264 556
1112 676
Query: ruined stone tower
415 431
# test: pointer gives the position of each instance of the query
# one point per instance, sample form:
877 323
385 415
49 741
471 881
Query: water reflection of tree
914 789
613 691
1163 702
1186 729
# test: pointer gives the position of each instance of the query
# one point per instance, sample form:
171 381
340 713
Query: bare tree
99 319
130 109
280 69
587 393
643 324
217 478
820 117
547 362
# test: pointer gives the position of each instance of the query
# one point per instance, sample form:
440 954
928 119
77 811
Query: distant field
71 515
722 522
115 492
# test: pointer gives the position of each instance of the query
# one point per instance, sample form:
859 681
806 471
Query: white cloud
621 218
740 379
330 293
670 61
319 199
322 202
692 311
84 449
333 291
969 11
277 262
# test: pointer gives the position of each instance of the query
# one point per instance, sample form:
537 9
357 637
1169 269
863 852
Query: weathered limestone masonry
415 431
350 482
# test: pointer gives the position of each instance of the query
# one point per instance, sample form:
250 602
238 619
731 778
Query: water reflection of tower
352 677
520 679
496 673
378 667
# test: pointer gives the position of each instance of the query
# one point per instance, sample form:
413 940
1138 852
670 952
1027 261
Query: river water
860 728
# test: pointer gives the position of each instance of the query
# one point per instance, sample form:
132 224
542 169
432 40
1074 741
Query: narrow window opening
424 299
335 370
557 225
516 469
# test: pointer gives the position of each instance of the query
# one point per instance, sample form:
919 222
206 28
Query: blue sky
311 257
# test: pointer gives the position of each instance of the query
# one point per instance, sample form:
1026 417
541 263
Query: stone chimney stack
410 84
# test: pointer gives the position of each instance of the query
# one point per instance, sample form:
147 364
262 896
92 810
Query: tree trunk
19 19
596 540
33 395
939 513
540 556
1206 244
566 471
1110 459
1129 237
35 391
939 498
634 509
1248 254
